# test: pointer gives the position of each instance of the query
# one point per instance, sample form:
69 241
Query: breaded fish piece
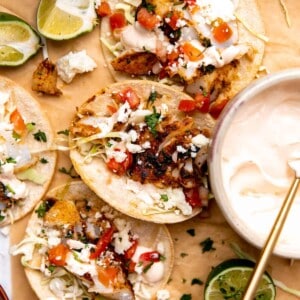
44 79
135 63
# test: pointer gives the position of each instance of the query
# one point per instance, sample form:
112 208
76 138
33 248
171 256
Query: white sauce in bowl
263 135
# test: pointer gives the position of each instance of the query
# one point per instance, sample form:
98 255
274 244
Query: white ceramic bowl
245 192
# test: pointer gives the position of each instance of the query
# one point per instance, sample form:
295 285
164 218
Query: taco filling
17 163
161 154
84 248
195 43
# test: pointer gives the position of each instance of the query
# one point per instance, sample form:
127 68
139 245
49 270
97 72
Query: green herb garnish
11 160
196 281
51 268
152 96
191 232
43 160
186 297
2 218
152 120
207 245
164 197
40 136
41 210
64 132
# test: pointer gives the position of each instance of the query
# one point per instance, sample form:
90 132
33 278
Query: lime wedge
229 280
18 40
65 19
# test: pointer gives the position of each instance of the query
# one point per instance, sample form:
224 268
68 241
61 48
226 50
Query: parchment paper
282 51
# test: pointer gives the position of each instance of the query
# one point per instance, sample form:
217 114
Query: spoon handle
271 242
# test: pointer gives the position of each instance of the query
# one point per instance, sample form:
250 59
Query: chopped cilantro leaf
152 120
16 136
150 7
2 218
186 297
164 197
11 160
196 281
51 268
207 245
43 160
147 268
41 210
40 136
64 132
191 232
152 96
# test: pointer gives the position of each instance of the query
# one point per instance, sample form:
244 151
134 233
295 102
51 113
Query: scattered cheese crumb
74 63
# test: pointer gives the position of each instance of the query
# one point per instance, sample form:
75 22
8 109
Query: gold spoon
274 234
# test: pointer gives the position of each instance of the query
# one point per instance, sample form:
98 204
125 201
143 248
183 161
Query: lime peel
18 40
62 19
229 279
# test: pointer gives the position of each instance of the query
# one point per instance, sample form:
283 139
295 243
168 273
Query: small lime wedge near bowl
18 40
229 280
63 20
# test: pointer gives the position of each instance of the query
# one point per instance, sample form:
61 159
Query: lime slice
229 280
65 19
18 40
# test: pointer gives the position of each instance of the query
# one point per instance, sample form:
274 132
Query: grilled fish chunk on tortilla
76 245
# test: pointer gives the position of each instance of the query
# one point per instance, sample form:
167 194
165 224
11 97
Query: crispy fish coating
137 63
44 79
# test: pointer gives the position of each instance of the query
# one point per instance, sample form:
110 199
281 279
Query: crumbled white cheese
163 295
74 63
122 238
53 237
124 112
200 140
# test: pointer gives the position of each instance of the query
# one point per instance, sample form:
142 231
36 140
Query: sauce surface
263 136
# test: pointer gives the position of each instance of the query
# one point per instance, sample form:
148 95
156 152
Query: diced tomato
103 242
130 96
106 275
147 19
130 252
172 57
120 167
187 105
131 266
217 107
111 108
173 20
192 197
117 20
203 102
222 31
57 255
152 256
18 122
193 53
190 2
103 9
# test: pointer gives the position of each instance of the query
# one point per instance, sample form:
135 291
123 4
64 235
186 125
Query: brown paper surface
282 51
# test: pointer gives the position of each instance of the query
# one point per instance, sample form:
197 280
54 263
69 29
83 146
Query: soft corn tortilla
32 112
149 236
251 31
112 188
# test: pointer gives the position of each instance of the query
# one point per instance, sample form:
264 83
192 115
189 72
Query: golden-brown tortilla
224 82
112 188
32 112
149 236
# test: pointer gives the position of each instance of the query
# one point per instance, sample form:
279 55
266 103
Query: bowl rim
214 154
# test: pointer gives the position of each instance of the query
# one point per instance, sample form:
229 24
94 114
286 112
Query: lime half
65 19
230 278
18 40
